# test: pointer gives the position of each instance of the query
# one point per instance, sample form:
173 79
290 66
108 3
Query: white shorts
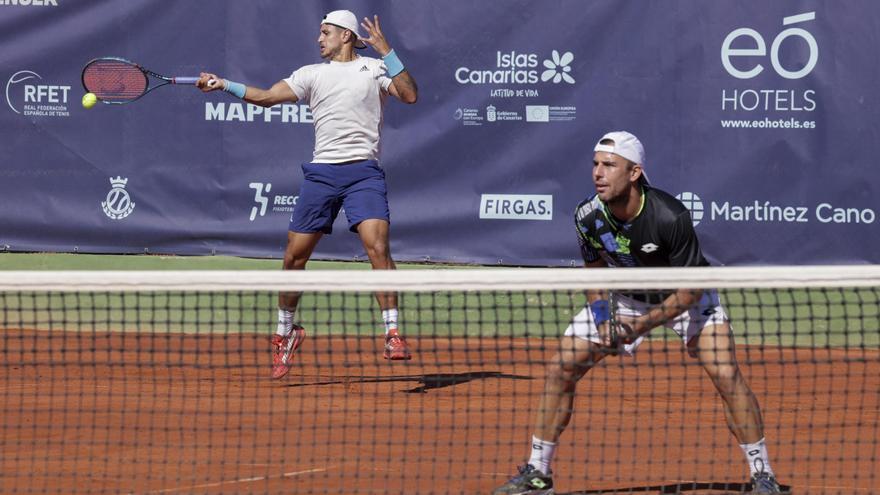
687 325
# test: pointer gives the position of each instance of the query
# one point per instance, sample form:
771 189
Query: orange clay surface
86 412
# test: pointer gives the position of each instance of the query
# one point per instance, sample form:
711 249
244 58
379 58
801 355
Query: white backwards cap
346 20
625 145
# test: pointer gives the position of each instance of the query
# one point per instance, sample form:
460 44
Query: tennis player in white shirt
346 94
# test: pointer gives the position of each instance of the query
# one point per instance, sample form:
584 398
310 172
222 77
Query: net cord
430 280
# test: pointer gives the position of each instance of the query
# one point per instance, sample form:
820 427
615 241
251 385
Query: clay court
91 412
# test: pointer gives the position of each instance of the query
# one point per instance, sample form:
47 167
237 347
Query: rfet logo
27 94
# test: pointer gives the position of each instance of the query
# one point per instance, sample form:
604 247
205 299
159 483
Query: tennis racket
621 333
613 326
116 80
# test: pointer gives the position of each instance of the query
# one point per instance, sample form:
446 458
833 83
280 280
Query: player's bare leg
715 349
297 253
288 335
374 236
575 358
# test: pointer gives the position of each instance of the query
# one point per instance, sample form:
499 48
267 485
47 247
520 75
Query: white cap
625 145
346 20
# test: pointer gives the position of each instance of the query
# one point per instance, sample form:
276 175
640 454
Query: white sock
542 454
389 316
285 322
757 457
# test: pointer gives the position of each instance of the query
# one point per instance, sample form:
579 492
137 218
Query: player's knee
294 261
377 249
379 255
561 370
725 376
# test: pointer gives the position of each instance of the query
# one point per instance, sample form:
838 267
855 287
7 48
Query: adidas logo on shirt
364 69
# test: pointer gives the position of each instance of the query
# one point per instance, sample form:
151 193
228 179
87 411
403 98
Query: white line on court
241 480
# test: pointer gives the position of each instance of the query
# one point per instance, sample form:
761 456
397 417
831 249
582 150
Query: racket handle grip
186 80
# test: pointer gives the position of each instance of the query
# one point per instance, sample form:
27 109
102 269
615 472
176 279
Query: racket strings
114 80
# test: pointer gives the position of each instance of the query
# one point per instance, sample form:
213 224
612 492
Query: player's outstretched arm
280 92
403 86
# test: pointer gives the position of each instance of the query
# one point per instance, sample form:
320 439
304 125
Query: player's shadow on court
426 382
690 487
442 380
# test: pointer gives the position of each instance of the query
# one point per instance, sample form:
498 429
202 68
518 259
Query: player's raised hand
375 37
209 82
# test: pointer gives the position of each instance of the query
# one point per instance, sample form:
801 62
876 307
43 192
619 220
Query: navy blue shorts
357 187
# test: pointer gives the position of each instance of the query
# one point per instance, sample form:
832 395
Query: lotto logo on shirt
516 206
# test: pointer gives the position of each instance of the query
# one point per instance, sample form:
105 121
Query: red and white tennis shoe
396 348
283 349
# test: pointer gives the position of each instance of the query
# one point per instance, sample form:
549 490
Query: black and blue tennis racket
116 80
613 326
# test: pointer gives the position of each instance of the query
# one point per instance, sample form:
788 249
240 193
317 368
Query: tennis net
160 382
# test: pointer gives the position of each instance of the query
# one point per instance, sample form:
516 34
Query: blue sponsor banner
761 117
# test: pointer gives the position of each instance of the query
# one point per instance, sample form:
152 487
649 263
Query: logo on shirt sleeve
609 242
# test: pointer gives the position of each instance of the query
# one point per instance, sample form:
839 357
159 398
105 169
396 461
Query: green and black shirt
660 235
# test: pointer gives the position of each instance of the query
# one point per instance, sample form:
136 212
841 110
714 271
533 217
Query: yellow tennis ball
89 100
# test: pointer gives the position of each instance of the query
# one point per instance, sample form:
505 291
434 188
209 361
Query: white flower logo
557 68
